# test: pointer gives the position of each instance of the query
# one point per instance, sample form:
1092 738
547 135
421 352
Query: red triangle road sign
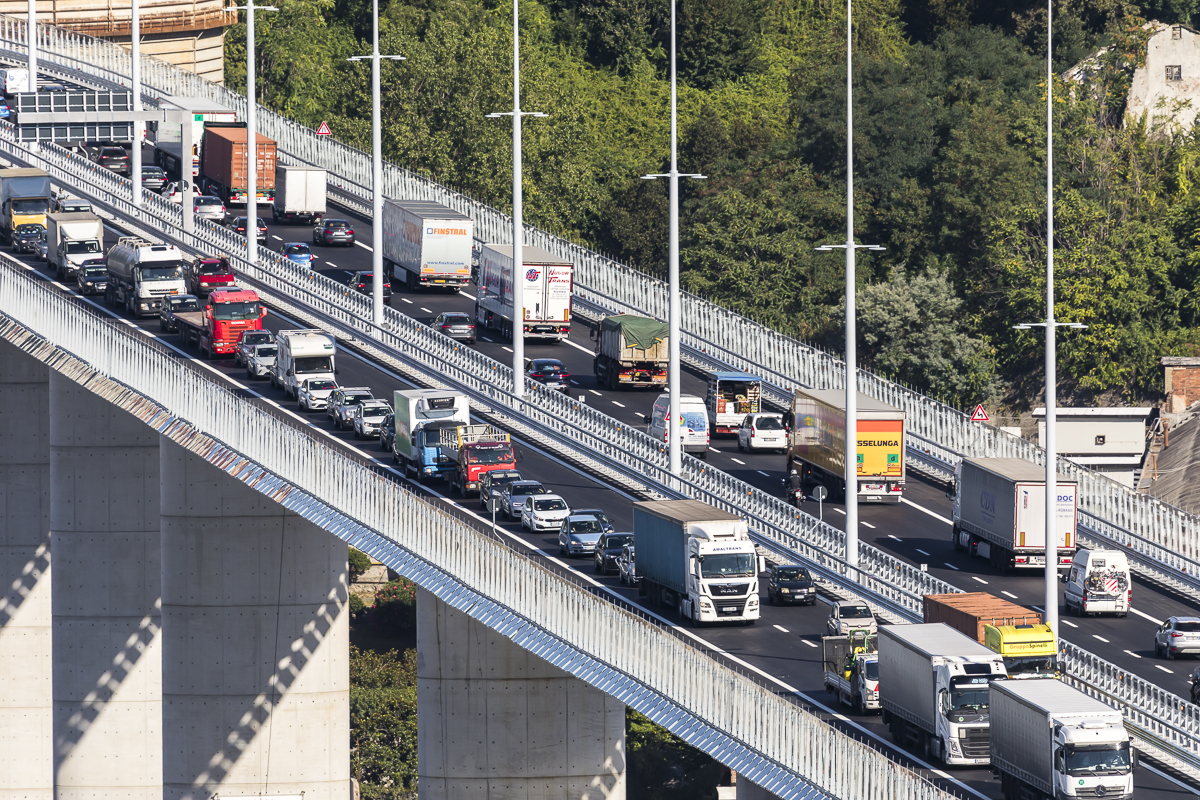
324 129
980 415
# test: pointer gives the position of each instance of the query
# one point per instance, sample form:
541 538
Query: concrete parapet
104 529
26 696
255 642
499 722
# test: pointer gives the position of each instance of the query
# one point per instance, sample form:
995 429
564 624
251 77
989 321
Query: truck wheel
683 617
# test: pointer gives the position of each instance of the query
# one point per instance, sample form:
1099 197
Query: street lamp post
31 44
251 136
674 306
135 171
518 258
376 174
851 444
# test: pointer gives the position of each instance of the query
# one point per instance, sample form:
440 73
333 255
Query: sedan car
364 283
608 551
333 231
578 536
627 565
239 224
208 207
789 583
92 277
297 253
544 512
368 418
514 495
314 394
27 238
456 325
599 514
495 481
153 178
551 373
114 158
261 360
846 616
249 340
762 432
343 402
172 305
1177 636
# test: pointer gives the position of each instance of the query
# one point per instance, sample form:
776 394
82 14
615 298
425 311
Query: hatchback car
297 253
153 178
846 616
627 565
762 432
92 277
1177 636
247 342
343 402
578 536
514 495
114 158
208 207
544 512
599 514
261 360
239 224
495 481
368 418
333 231
313 394
551 373
789 583
364 283
456 325
608 551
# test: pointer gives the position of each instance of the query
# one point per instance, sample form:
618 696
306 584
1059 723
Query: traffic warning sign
324 129
980 415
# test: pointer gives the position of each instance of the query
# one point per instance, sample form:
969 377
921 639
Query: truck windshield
968 700
164 272
244 310
305 366
1029 665
1108 759
724 565
214 268
871 669
79 248
33 206
492 455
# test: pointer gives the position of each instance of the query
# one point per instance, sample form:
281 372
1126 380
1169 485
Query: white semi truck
72 239
933 689
303 355
141 273
420 417
535 298
1052 740
426 244
697 559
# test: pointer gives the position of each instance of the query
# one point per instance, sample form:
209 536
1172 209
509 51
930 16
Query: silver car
846 616
246 344
513 496
368 417
343 403
627 565
313 395
208 207
1178 636
578 536
261 360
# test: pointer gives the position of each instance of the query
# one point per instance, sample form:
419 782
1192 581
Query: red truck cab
206 273
476 450
229 313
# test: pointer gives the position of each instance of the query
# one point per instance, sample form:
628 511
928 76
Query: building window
1175 73
1177 32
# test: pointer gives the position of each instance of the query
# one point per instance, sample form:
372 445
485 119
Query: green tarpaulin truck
631 351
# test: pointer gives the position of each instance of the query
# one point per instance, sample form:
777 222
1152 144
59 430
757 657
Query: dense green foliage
950 151
383 723
359 563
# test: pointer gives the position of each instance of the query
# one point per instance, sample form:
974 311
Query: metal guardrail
750 727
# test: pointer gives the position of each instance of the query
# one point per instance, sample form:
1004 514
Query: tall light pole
376 176
1050 325
674 422
135 68
851 451
518 258
251 136
31 45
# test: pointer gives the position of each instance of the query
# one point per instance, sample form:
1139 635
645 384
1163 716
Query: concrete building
1169 83
1111 441
1181 382
190 35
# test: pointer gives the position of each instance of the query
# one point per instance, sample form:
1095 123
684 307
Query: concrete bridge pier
26 699
256 681
499 723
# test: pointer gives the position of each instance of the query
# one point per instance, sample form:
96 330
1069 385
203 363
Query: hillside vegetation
950 145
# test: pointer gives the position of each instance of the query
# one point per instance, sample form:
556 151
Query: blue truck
421 415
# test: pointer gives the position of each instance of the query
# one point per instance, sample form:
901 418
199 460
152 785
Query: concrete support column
107 662
256 636
26 700
499 723
746 790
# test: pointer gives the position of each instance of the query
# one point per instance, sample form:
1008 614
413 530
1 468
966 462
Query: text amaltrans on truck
299 193
999 513
631 351
697 559
1052 740
817 444
535 298
427 244
24 198
852 669
303 355
72 239
223 169
1015 632
933 688
228 314
421 416
141 273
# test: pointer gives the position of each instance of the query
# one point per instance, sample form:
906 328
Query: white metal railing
755 730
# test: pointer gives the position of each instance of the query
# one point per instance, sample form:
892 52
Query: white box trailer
541 289
72 239
299 193
427 244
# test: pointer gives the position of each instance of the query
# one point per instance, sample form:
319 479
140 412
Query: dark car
333 231
27 238
172 305
608 550
92 276
114 158
206 273
495 480
1194 680
153 178
789 583
551 373
5 111
605 524
387 432
364 282
456 325
239 224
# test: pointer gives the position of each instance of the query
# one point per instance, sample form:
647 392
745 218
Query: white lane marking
715 450
981 580
509 349
780 628
951 566
897 538
840 511
574 383
593 391
867 525
933 514
577 346
614 402
1146 617
405 299
467 295
1164 669
738 461
810 644
922 552
1189 789
1101 638
764 474
1068 622
1038 608
427 311
364 247
276 238
1131 653
1008 594
640 414
331 264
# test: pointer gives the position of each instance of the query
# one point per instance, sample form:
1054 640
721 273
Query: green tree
661 766
383 723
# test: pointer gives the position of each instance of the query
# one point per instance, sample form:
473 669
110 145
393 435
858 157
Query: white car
314 394
544 512
261 360
173 192
368 417
762 432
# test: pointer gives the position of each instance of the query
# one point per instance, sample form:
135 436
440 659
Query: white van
694 419
1098 582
